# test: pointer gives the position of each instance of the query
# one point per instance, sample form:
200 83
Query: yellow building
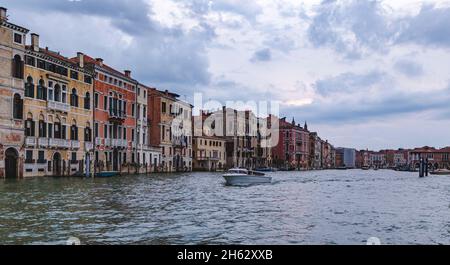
57 113
209 153
12 49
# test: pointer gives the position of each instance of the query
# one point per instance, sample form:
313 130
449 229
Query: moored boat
441 172
244 177
106 174
365 168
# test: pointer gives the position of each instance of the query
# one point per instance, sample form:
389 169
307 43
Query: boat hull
440 173
245 180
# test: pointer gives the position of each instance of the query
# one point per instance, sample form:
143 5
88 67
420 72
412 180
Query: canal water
319 207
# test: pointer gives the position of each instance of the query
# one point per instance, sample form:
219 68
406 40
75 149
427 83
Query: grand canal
318 207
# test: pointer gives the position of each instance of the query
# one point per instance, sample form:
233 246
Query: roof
89 60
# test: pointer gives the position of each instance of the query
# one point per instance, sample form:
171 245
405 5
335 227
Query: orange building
114 116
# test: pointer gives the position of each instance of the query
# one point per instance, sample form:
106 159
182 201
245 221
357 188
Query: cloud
349 83
263 55
350 27
409 68
124 33
429 28
357 28
357 104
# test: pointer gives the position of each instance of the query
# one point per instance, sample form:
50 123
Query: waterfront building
12 91
377 159
148 157
265 143
209 153
170 121
315 151
328 160
437 158
114 116
345 157
57 113
293 149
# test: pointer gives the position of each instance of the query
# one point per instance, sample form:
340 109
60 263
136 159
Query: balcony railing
30 141
98 141
117 114
59 143
119 143
88 146
107 142
58 106
43 142
75 144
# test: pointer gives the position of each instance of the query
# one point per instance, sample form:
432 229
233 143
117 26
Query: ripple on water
320 207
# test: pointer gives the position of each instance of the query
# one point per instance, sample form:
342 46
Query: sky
363 74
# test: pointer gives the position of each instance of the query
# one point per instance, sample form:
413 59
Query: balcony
58 106
119 143
88 146
98 141
59 143
43 142
107 142
116 115
30 141
75 144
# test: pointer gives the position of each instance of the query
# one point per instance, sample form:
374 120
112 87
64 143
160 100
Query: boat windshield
238 171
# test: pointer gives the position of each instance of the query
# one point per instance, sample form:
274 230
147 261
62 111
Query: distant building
346 157
209 153
293 148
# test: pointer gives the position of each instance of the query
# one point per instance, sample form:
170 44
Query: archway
57 164
11 158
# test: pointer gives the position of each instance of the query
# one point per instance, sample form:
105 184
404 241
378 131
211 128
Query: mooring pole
421 169
426 167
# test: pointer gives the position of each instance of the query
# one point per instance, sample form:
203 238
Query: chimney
35 42
127 73
80 57
99 61
3 14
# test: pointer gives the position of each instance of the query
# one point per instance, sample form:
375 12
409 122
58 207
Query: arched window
87 101
41 90
29 87
18 107
74 133
88 133
17 67
57 93
30 126
74 98
42 128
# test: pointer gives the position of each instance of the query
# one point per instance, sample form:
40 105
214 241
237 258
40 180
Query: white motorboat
244 177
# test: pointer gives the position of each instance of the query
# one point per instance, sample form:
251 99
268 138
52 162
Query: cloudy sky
364 74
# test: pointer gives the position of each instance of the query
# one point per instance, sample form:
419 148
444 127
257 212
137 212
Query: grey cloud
409 68
356 28
392 105
263 55
429 27
158 55
350 26
349 82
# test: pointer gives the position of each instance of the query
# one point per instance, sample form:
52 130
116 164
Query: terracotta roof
89 60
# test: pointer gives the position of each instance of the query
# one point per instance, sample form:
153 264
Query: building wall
209 153
37 110
115 149
11 130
